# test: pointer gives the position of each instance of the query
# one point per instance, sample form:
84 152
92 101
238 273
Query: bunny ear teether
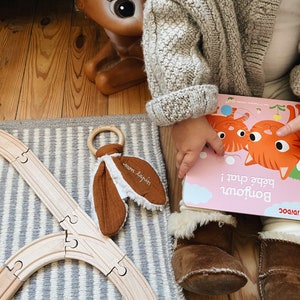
119 178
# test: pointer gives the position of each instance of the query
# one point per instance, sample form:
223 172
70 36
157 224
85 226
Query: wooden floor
43 47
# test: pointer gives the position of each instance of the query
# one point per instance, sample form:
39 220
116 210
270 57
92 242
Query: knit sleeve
178 74
295 80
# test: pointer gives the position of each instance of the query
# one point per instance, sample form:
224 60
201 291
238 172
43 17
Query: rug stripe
61 146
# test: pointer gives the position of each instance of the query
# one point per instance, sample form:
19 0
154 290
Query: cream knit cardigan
194 49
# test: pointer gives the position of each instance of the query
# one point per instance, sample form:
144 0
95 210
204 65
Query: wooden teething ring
96 131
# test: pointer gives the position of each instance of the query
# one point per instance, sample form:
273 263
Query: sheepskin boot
279 266
202 260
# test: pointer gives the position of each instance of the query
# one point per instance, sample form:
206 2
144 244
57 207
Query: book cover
260 171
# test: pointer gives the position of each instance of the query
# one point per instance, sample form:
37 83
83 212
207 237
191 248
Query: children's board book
260 171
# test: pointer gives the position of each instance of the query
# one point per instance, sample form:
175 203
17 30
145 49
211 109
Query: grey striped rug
61 145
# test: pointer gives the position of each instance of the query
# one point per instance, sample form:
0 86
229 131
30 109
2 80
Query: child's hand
190 136
290 127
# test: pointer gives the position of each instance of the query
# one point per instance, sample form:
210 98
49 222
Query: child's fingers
290 127
217 145
187 162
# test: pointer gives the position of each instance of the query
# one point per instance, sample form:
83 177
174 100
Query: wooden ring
100 129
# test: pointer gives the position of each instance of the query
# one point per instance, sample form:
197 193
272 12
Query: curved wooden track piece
81 240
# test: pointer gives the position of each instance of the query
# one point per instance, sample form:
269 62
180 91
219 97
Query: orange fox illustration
271 151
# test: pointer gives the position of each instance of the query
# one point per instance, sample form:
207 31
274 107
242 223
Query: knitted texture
191 44
176 106
295 80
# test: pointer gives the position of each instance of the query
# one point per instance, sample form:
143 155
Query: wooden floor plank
246 249
16 19
81 98
44 78
129 101
174 184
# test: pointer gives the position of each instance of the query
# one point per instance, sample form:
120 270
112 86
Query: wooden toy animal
119 64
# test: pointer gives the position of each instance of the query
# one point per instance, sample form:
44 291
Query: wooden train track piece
81 238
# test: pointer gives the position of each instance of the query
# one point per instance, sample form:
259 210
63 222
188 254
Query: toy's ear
80 4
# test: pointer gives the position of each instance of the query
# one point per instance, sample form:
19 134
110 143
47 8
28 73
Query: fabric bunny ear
140 182
110 208
134 177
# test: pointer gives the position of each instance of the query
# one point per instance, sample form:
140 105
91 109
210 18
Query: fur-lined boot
202 259
279 263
